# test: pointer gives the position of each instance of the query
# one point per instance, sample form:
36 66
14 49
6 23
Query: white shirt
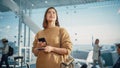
5 49
96 52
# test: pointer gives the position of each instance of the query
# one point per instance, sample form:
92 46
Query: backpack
11 50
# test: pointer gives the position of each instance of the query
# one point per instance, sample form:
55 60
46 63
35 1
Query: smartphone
41 40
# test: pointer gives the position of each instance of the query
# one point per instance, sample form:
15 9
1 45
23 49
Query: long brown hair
45 22
97 41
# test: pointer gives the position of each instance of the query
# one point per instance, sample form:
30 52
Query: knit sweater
52 36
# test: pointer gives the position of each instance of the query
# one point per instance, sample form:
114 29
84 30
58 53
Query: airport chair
18 58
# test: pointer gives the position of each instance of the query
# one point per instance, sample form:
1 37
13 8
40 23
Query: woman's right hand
41 44
35 51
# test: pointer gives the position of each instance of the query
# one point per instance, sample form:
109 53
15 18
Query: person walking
5 50
117 64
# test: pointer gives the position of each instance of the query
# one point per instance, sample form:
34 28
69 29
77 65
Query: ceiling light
32 5
8 27
46 2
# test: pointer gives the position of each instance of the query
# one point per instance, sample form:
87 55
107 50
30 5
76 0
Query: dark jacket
117 64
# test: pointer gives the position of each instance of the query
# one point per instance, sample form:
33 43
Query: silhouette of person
96 54
117 64
5 50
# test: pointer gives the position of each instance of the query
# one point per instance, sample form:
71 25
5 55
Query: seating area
13 63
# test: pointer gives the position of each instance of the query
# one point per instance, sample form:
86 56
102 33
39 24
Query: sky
84 22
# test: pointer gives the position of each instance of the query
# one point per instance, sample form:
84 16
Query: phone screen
42 40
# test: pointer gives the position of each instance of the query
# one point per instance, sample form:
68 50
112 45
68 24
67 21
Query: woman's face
97 42
51 15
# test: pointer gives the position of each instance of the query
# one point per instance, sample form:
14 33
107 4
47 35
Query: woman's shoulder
62 28
40 32
64 31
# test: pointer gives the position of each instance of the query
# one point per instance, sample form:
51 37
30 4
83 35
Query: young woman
96 54
54 43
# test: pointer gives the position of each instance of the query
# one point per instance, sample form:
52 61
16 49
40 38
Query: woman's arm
35 51
56 50
38 46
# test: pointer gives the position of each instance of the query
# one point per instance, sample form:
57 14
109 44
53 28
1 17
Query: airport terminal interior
85 20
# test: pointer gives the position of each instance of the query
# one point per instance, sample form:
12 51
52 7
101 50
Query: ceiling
46 3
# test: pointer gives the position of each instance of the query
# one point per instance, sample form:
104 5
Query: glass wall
84 23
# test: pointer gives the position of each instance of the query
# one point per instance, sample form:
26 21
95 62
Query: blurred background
85 21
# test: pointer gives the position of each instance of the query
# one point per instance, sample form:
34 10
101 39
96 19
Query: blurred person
97 54
117 64
5 50
47 47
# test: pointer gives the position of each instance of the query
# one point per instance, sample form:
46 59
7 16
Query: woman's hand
48 49
41 44
35 51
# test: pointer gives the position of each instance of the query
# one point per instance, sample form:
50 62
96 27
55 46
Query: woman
96 54
57 44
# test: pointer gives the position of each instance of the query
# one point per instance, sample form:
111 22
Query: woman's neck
51 24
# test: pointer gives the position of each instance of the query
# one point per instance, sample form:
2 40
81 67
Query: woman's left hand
48 49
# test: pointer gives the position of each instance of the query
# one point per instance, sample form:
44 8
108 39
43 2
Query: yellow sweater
52 36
